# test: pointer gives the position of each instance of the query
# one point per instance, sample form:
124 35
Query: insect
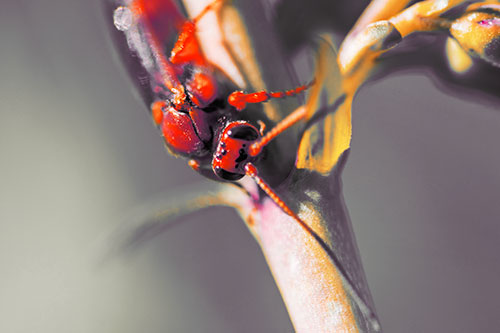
205 117
201 114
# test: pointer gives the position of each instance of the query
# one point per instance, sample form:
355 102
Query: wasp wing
142 31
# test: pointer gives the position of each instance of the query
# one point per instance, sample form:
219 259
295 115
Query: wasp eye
244 132
226 175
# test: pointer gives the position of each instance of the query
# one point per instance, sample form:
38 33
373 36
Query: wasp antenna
299 114
252 171
239 99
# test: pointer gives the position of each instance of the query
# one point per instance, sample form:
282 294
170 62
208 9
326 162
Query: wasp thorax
232 154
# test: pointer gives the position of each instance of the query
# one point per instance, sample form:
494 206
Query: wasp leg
194 164
187 48
262 127
157 111
187 34
209 7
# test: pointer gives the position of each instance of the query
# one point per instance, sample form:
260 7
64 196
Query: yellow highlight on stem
324 141
458 59
323 144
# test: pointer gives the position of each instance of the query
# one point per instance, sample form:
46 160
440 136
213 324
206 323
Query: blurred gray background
78 151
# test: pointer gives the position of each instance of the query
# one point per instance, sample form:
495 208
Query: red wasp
201 113
204 116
